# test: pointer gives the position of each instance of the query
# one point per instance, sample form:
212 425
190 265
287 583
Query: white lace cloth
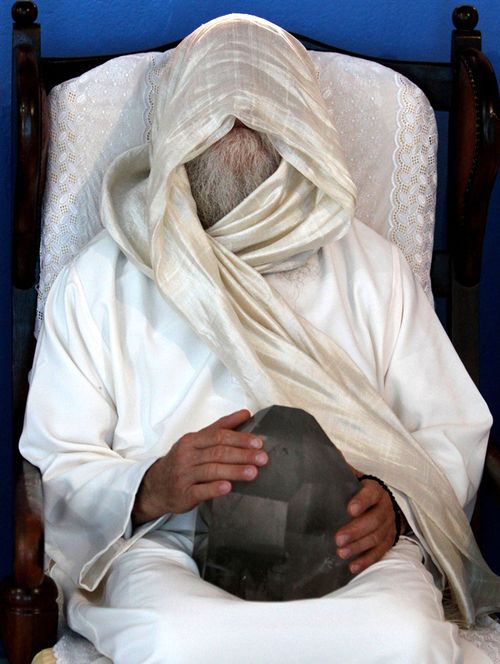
486 637
386 126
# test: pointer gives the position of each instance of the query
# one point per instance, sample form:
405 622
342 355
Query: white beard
228 171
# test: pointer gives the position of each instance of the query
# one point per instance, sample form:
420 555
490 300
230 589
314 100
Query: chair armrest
29 533
28 598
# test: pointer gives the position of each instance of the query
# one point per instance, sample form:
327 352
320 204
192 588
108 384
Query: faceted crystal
271 539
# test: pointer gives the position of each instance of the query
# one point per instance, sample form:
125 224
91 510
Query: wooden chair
465 88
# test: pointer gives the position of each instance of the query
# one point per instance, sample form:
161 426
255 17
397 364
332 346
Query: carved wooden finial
465 17
24 12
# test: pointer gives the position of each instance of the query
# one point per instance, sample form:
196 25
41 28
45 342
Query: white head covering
216 74
244 67
277 95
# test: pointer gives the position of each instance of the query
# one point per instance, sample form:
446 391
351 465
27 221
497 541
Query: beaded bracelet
395 506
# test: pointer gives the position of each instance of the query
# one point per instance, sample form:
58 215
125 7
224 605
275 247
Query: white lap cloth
389 614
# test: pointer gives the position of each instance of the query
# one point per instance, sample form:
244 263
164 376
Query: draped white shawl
244 67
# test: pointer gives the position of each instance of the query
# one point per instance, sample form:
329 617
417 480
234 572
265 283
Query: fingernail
256 443
224 487
343 553
355 509
341 540
261 458
250 472
354 568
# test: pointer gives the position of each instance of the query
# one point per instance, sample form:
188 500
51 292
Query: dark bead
24 12
465 17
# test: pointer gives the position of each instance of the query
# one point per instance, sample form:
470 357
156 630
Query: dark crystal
272 539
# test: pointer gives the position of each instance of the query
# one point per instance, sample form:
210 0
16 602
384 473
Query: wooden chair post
473 163
28 606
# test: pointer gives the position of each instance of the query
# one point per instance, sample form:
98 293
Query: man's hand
198 467
371 532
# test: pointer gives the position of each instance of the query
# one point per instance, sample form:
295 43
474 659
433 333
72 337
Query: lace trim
151 92
414 181
486 637
75 649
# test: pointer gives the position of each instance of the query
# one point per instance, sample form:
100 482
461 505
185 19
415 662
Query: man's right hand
198 467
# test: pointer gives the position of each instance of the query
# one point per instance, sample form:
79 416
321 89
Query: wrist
400 522
146 507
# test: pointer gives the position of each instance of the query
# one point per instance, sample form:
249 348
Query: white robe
119 377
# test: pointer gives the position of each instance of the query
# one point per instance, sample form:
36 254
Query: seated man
232 275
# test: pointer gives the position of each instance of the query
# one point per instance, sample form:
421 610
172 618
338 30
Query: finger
231 421
211 472
377 516
360 527
359 546
223 437
369 558
223 429
208 491
232 455
370 494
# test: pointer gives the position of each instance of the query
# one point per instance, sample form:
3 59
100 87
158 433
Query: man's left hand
372 531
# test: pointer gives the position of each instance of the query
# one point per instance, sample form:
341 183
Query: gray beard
228 171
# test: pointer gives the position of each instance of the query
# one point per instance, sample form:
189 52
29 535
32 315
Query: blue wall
420 29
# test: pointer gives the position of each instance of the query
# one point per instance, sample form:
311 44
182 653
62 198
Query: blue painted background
420 29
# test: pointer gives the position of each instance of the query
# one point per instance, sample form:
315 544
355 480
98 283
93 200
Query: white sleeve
89 489
429 389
